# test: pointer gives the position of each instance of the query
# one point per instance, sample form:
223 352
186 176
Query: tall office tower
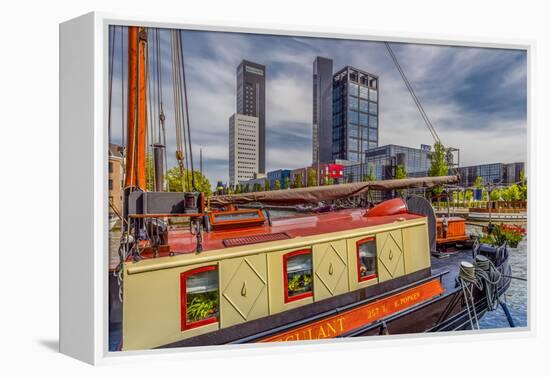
355 114
322 110
251 100
243 148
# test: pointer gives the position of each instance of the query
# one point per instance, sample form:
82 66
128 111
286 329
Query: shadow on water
51 344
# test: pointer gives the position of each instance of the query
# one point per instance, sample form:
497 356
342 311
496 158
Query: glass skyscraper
251 100
354 114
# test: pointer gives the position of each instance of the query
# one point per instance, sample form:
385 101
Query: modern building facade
384 160
322 110
257 183
251 100
354 114
495 173
243 148
298 175
277 175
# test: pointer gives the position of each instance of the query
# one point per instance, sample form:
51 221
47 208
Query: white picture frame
83 182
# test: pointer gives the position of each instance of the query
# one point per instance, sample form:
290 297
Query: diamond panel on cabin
391 255
330 269
244 289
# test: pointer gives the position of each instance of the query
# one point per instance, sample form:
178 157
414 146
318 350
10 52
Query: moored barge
247 278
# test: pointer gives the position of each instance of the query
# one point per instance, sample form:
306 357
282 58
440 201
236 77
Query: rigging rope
162 117
187 110
416 100
413 94
177 109
122 107
150 165
111 64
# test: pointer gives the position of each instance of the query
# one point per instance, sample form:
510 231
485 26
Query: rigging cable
187 111
162 117
181 138
111 63
123 123
150 165
416 100
181 97
413 94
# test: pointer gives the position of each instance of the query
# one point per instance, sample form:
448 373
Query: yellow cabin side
251 279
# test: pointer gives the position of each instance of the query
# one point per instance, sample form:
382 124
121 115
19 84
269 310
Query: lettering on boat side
363 315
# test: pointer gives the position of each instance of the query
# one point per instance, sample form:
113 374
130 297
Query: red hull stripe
363 315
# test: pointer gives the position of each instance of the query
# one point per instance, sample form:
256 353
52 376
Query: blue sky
475 97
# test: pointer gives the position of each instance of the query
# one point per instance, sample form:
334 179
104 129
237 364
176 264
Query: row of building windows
200 286
357 91
355 117
249 145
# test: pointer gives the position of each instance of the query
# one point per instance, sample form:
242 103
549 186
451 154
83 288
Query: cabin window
199 297
366 259
298 275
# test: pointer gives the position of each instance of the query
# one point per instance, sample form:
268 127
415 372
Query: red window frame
183 299
359 277
286 257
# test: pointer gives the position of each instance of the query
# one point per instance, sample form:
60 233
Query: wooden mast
137 110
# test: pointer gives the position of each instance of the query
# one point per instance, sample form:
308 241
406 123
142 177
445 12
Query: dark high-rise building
251 100
322 110
354 114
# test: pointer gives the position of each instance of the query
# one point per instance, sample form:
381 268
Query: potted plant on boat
299 283
512 234
202 306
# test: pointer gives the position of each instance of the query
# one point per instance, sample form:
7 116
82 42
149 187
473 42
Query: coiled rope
490 277
467 279
483 275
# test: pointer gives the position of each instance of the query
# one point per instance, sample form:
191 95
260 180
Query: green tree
330 181
478 183
522 186
369 177
178 183
439 165
267 185
277 184
400 173
298 180
286 183
311 177
495 194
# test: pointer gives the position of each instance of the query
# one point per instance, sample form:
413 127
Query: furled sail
329 192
